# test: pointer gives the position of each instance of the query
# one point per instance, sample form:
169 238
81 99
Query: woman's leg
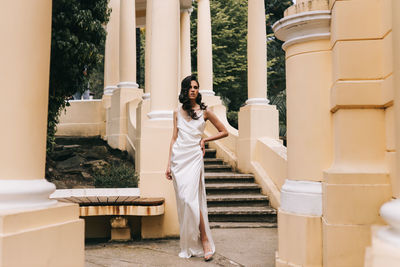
204 238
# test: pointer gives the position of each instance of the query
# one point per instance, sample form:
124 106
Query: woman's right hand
168 174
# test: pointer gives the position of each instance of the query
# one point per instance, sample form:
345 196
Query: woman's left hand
203 146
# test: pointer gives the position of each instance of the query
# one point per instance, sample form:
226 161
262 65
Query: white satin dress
187 168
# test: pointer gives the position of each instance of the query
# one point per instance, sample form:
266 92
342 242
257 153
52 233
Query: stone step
210 153
217 168
237 200
214 225
242 214
213 161
232 188
228 177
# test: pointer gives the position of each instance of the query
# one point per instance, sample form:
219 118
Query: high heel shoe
208 256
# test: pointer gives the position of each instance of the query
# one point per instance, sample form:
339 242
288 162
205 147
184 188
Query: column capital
303 27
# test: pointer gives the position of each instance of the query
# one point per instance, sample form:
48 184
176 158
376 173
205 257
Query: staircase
234 200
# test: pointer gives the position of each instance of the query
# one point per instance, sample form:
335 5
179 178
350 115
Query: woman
186 169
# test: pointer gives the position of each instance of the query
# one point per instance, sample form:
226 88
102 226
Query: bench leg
120 230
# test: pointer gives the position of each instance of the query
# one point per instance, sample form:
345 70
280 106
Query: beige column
358 182
186 64
257 108
385 247
127 45
147 58
309 152
45 232
127 87
204 48
164 59
111 59
256 53
111 62
155 127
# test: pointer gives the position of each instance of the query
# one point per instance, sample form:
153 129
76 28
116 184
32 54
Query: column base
257 101
52 236
382 253
127 85
207 92
300 239
109 90
161 115
26 194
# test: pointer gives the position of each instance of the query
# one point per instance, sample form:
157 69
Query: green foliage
229 31
116 176
229 38
77 40
232 117
279 100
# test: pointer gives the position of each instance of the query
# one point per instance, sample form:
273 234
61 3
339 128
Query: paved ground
235 247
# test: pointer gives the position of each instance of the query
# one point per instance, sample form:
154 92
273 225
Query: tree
229 37
77 41
229 30
276 56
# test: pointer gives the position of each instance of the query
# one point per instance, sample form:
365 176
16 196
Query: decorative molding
84 100
302 197
108 90
257 101
302 27
26 194
207 92
390 212
128 85
161 115
146 96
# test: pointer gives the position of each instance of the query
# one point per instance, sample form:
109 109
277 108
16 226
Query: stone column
111 61
385 247
257 108
186 64
148 51
156 126
127 45
111 58
164 59
127 87
256 54
358 182
204 48
31 224
309 152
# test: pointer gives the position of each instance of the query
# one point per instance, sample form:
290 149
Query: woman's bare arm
173 139
222 131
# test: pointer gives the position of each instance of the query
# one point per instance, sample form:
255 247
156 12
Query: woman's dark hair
184 96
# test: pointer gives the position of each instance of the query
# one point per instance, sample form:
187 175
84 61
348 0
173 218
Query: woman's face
193 90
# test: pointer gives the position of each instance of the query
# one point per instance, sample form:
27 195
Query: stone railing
82 118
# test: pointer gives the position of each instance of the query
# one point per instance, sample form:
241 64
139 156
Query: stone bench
118 202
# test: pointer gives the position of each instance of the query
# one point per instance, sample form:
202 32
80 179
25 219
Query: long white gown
187 168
